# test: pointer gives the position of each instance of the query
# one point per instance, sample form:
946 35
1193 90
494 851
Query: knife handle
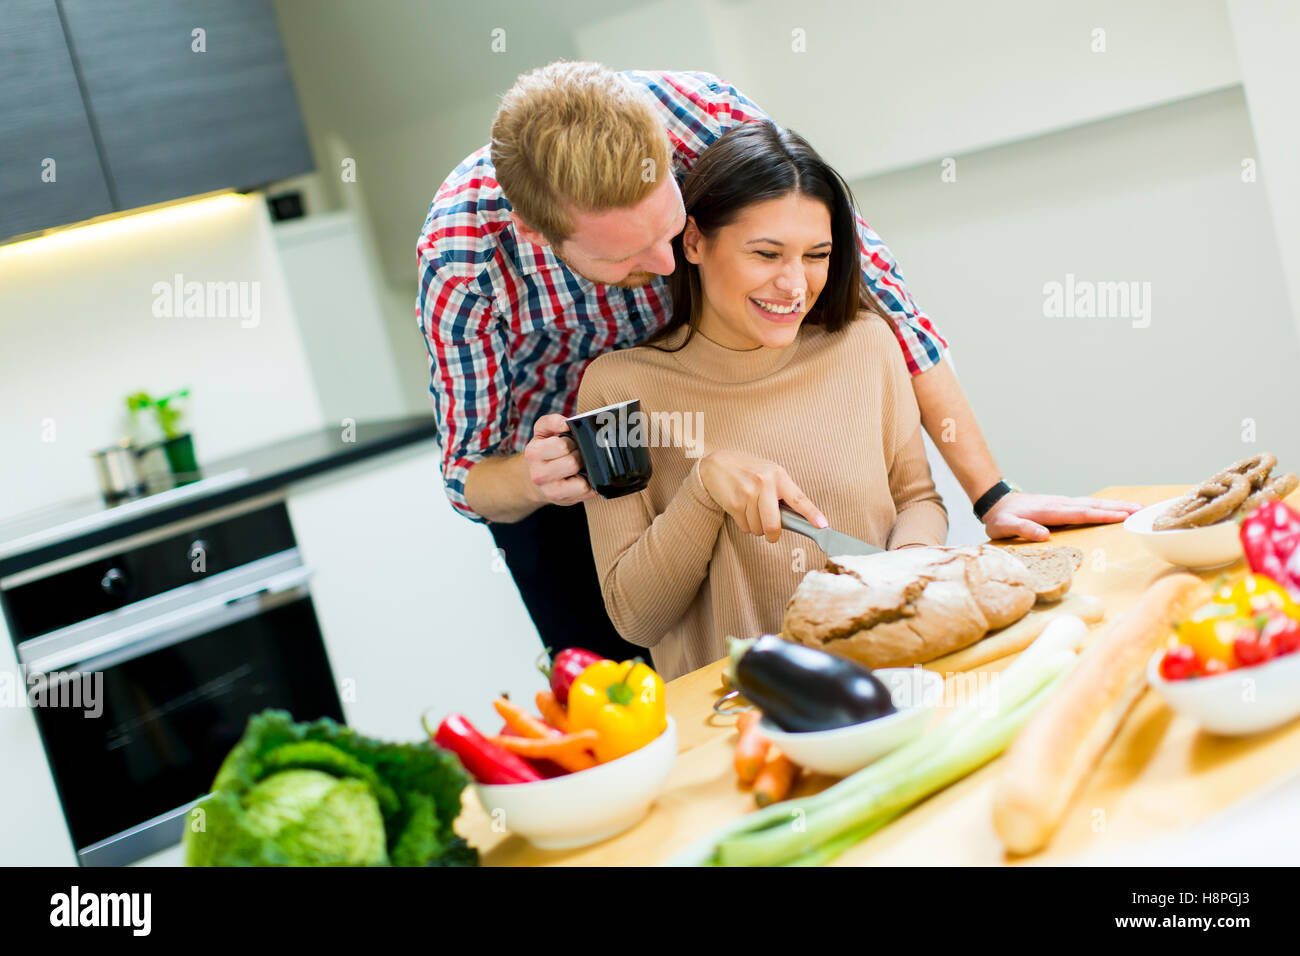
793 521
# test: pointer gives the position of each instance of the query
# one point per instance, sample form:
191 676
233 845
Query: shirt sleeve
469 377
920 515
923 347
650 567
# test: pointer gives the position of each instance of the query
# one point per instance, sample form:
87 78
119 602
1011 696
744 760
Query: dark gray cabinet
43 119
175 122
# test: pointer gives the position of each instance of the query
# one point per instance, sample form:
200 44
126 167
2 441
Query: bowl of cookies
1198 529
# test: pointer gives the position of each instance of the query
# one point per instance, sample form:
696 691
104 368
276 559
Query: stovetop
50 533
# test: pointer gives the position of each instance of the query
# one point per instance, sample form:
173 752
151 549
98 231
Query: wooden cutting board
1160 775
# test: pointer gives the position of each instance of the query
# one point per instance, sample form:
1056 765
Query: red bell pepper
1270 538
566 667
487 762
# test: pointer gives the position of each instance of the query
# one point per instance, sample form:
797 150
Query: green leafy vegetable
310 794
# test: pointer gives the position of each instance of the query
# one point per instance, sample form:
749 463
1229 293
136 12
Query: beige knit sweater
837 411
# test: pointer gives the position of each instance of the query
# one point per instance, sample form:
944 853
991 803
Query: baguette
1061 744
1016 637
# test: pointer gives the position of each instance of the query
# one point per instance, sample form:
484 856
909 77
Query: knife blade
828 539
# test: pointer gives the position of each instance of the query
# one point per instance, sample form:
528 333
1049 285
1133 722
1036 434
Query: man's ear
692 239
525 232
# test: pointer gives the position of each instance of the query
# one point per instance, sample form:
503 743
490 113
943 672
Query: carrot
775 779
568 750
751 747
552 710
521 721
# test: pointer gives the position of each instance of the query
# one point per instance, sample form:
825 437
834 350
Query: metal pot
118 468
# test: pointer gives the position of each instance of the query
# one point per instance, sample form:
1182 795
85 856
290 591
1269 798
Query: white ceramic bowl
1213 546
585 807
1242 701
915 693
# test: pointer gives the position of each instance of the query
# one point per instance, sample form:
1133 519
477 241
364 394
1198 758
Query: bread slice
1052 569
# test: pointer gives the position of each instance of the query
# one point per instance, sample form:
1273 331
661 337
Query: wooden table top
1161 774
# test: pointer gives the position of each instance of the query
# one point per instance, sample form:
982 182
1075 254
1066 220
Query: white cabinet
416 610
337 303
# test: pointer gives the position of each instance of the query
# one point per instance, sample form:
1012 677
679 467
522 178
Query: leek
889 797
821 827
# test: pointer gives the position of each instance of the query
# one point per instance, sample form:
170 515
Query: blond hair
576 135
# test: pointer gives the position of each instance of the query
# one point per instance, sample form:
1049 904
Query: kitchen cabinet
49 168
417 608
182 112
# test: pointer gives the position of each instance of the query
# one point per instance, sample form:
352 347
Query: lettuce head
320 794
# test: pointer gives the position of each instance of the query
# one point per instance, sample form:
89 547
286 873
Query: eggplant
802 689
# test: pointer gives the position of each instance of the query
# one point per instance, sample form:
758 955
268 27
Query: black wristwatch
993 496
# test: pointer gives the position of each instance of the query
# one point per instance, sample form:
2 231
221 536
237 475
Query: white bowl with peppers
588 767
1233 665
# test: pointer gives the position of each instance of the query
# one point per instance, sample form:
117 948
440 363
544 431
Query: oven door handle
280 584
227 607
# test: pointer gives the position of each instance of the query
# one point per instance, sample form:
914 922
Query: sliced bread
1052 569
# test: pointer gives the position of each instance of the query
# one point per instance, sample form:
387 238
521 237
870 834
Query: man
549 247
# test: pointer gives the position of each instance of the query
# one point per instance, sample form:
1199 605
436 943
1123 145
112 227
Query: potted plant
167 412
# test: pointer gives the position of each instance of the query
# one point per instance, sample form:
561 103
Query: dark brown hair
752 163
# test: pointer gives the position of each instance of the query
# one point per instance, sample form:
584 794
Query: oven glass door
170 716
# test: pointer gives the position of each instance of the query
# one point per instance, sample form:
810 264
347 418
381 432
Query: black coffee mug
614 448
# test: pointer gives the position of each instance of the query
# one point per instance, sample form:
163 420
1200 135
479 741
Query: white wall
1072 404
884 85
80 333
1267 33
337 301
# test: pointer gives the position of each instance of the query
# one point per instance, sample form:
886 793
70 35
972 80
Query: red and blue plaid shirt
510 328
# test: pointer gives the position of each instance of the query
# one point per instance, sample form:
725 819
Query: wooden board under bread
1016 637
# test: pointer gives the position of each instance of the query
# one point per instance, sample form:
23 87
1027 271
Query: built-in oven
145 658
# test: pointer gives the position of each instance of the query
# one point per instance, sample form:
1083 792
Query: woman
801 394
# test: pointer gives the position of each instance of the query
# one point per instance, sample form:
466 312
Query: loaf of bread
899 608
1056 751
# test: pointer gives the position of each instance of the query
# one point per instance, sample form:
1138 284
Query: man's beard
633 280
636 280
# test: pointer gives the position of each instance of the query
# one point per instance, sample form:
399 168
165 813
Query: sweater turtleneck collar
707 358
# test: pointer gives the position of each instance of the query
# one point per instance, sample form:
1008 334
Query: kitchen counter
1160 778
67 529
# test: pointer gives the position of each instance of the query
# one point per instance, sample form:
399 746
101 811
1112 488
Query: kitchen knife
828 539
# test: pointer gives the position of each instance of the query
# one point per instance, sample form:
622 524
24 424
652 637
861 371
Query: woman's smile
780 311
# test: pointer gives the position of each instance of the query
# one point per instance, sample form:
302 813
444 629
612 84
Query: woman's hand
1024 515
750 489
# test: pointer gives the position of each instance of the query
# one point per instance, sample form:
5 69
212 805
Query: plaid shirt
510 329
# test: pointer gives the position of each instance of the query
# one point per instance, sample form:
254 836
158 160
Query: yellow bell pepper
1257 594
622 702
1210 631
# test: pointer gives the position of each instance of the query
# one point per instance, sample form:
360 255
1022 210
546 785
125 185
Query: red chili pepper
1270 539
485 760
1281 635
1180 662
566 667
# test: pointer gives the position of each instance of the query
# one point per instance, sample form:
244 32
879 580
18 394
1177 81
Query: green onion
888 797
821 827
